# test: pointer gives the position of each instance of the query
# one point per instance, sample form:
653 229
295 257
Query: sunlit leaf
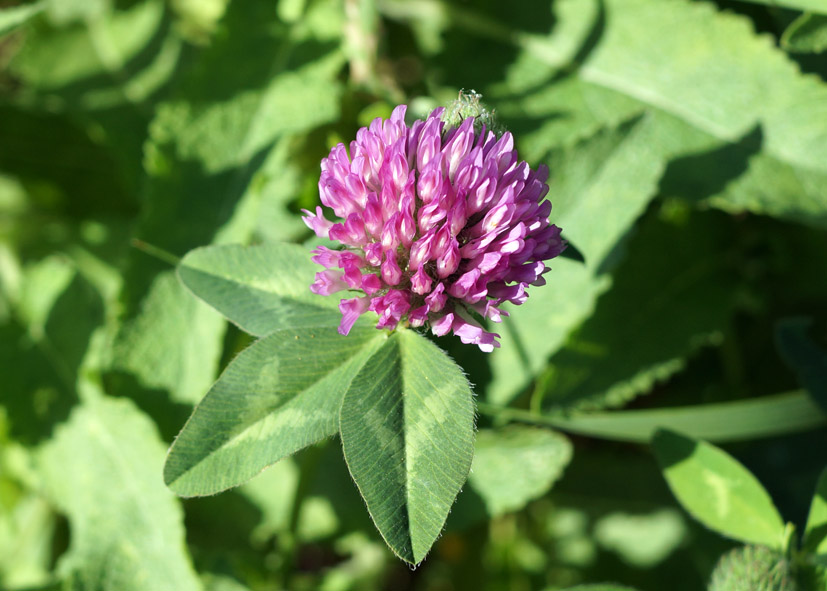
27 524
807 34
753 147
643 540
717 490
14 16
100 59
815 533
207 143
174 343
102 469
515 465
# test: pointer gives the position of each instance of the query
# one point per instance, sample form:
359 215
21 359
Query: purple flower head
440 225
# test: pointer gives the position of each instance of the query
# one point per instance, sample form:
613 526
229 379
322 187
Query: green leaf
207 143
643 540
740 420
14 16
815 533
260 288
754 147
292 87
273 493
56 314
600 587
807 5
102 470
539 327
173 343
278 396
198 19
675 278
806 34
27 526
717 490
515 465
213 582
806 358
407 428
293 101
107 58
599 188
602 184
61 12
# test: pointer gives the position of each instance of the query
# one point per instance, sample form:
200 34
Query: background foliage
688 147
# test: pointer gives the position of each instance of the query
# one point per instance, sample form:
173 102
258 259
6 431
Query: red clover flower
440 226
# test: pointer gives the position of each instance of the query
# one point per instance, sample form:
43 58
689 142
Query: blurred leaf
815 533
642 540
260 288
515 465
43 347
284 178
35 393
675 278
602 184
366 567
68 180
811 5
753 147
206 144
273 492
291 101
807 34
61 12
14 16
806 358
600 587
539 327
199 18
106 71
740 420
407 427
598 188
173 343
717 490
214 582
281 394
102 469
27 525
106 58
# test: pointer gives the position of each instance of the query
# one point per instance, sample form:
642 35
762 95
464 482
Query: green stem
717 422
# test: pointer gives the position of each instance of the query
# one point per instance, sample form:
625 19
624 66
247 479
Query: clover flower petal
440 226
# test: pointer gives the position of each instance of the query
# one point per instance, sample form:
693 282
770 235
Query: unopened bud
752 568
